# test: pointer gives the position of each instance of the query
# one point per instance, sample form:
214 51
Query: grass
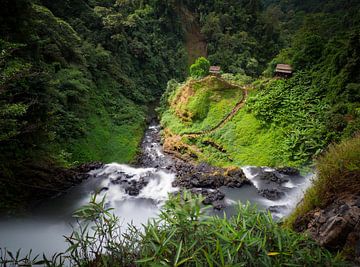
199 105
247 142
244 140
108 142
338 176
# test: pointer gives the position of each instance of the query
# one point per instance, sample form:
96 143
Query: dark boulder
288 171
87 167
272 194
273 177
337 227
206 176
212 197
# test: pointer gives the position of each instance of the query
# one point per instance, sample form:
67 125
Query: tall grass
338 176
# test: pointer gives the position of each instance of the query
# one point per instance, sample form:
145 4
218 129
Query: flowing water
136 193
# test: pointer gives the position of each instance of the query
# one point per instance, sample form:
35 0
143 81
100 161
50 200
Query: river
136 193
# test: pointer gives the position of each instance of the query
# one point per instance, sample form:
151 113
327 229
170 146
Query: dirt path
226 119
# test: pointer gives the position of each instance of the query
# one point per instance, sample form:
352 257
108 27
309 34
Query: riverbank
330 209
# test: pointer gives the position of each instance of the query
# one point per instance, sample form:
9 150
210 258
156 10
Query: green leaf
178 253
145 260
273 253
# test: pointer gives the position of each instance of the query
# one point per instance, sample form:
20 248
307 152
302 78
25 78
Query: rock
357 248
212 197
343 209
87 167
218 205
206 176
277 208
273 177
272 194
133 187
336 227
357 203
288 171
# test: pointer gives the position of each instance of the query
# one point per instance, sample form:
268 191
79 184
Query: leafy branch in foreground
99 240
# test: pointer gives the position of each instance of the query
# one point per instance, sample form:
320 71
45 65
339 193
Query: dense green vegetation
320 104
240 38
184 236
289 121
200 68
198 106
338 175
75 82
77 78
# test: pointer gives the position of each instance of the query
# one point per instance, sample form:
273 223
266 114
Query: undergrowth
338 176
184 235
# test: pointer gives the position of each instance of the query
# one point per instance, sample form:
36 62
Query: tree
200 68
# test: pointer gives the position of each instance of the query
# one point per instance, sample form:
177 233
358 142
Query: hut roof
284 68
215 69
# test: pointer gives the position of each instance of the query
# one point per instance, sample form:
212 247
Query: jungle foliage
291 121
240 37
320 103
200 68
76 78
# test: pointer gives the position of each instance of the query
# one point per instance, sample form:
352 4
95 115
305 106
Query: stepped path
227 118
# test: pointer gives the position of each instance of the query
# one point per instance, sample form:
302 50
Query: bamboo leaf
178 253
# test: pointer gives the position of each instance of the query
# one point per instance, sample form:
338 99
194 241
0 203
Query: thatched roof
215 69
284 68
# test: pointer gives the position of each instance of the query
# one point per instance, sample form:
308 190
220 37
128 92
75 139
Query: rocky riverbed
204 179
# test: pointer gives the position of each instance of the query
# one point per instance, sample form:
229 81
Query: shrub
200 68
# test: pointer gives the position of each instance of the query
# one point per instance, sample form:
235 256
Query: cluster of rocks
288 171
80 173
206 180
272 177
272 194
212 197
205 176
131 186
336 227
271 182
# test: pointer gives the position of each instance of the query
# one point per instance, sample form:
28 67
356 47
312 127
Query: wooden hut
283 70
215 70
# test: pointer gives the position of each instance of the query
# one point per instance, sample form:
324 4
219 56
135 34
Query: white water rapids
44 230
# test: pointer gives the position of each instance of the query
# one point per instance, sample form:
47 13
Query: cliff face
330 210
336 227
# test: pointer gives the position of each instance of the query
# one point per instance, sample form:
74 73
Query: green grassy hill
193 117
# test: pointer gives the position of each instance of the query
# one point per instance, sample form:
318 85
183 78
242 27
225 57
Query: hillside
207 120
81 81
285 121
